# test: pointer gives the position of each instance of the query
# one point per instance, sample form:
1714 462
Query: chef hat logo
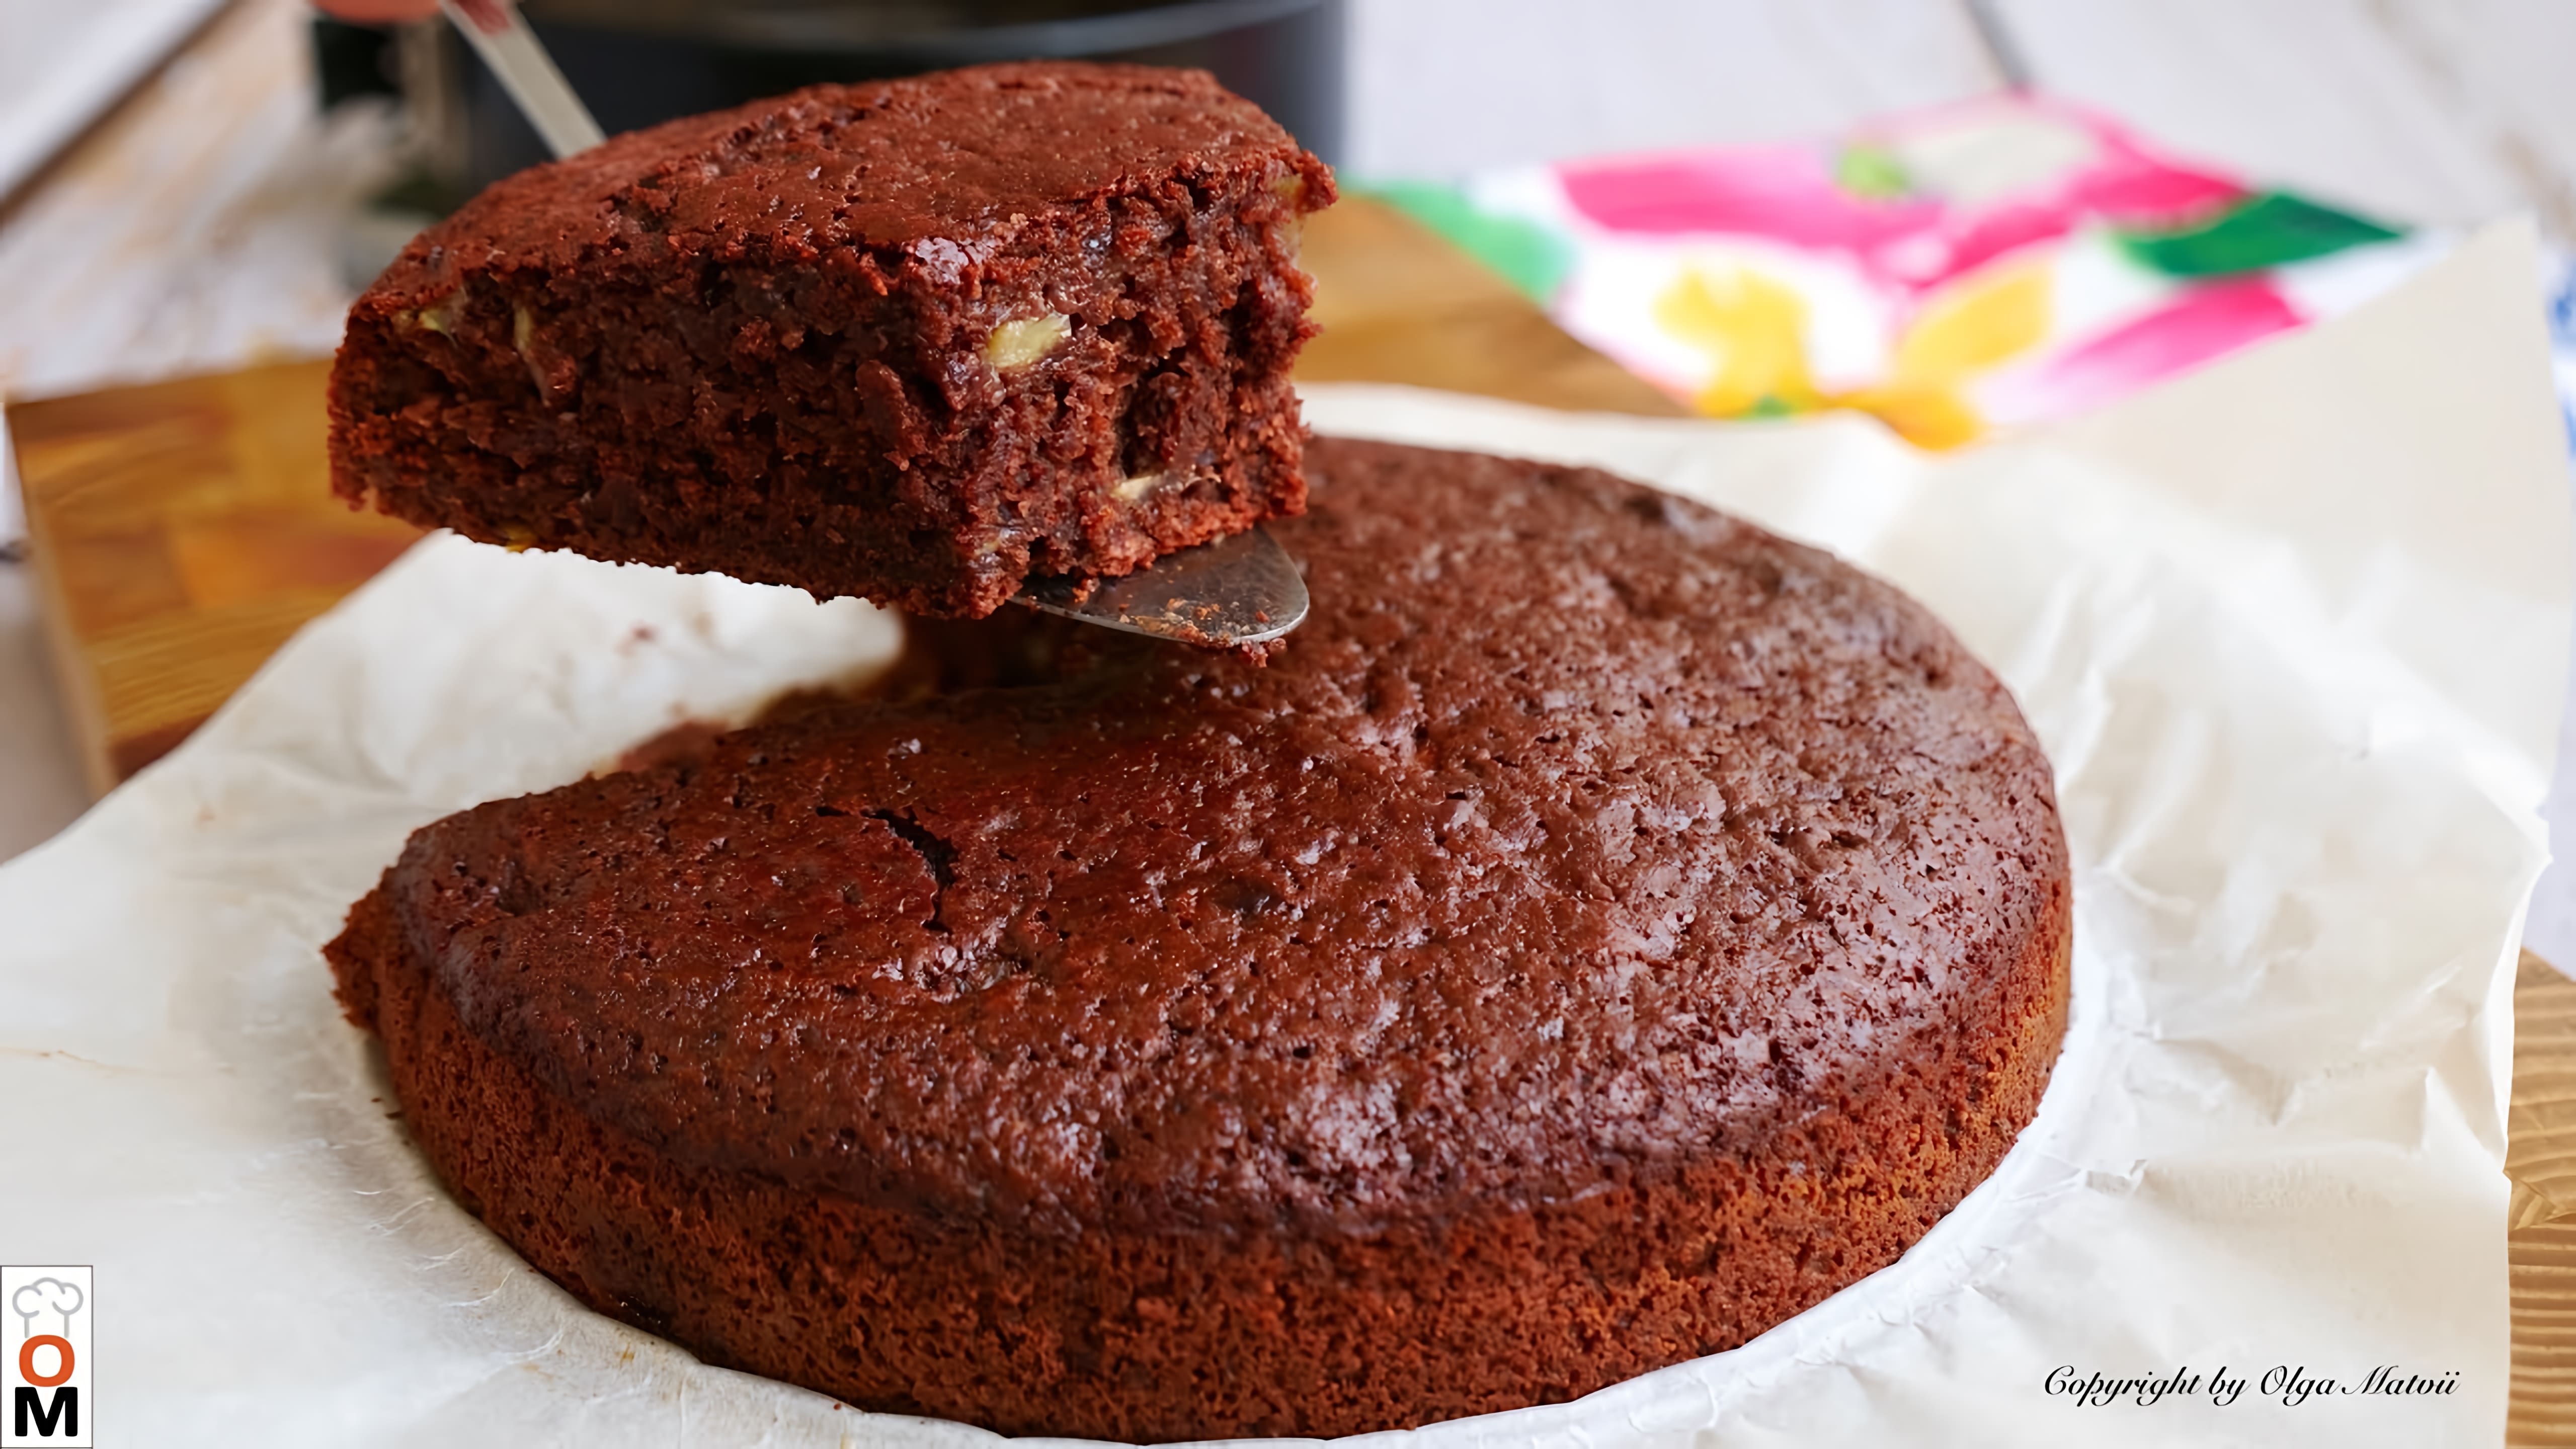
46 1295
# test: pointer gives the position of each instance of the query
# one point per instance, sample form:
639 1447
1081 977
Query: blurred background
1957 216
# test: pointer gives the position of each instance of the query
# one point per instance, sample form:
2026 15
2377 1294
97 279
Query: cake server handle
501 36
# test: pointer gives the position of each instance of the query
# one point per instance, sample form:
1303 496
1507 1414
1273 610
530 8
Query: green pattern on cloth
1530 257
2265 230
1872 172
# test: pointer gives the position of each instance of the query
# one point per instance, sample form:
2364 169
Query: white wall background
1440 87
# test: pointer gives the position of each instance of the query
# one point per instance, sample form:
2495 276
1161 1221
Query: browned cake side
913 340
1606 930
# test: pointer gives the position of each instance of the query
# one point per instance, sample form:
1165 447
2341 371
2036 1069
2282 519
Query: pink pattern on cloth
2197 326
1782 193
2160 196
1790 195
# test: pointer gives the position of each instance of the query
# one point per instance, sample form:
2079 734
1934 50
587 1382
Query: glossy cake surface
1605 930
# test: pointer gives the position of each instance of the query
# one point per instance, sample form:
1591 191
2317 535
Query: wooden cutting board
183 530
180 533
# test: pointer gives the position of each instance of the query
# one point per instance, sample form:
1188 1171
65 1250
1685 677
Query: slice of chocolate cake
914 341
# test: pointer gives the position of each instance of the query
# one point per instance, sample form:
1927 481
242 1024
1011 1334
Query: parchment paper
2292 630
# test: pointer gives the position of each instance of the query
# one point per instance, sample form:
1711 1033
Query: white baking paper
2292 630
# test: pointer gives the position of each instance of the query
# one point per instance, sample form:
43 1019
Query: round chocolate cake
1605 930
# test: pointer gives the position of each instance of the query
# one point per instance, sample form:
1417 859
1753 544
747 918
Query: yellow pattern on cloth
1754 329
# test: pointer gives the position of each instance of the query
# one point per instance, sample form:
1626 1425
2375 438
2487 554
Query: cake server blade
1239 590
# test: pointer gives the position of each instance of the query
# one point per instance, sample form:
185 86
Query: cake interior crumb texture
914 340
1604 930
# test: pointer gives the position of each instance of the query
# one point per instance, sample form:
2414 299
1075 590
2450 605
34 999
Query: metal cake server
1233 592
1239 590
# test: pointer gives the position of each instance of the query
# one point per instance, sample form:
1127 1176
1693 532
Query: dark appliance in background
636 62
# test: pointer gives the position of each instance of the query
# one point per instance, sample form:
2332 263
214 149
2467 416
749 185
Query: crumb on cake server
914 340
1603 931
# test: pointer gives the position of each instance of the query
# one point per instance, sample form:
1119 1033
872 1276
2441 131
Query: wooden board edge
83 697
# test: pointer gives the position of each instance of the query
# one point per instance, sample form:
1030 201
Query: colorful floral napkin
1953 271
